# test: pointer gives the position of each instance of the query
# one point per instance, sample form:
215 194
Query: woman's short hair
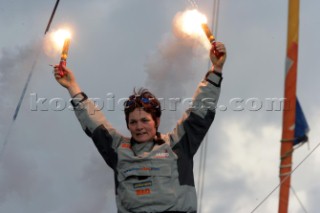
145 100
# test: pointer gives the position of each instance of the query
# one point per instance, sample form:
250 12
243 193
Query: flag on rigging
301 126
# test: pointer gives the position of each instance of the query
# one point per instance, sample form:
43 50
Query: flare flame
54 41
189 24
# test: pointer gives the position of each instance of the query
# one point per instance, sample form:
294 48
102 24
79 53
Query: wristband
75 101
214 79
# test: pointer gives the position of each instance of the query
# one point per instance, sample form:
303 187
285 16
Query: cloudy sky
49 165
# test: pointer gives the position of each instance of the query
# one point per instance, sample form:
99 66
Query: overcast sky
49 165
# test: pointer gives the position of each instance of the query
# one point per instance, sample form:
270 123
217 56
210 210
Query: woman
153 172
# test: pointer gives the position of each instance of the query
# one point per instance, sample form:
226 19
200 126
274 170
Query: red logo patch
126 145
140 192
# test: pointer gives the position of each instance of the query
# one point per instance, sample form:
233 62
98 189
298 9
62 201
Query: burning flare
54 42
60 36
189 24
192 21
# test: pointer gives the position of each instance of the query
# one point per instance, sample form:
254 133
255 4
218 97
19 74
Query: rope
203 150
288 175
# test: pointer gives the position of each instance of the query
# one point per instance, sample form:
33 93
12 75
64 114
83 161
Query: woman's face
141 125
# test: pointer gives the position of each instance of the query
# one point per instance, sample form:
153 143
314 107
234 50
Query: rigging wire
296 195
305 158
34 64
193 3
203 150
16 112
51 17
5 140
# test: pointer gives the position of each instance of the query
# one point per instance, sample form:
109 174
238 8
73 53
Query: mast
289 116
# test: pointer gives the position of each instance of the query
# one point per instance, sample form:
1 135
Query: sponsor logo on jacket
126 145
140 192
142 169
161 155
142 184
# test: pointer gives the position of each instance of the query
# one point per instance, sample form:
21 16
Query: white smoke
18 177
15 66
175 64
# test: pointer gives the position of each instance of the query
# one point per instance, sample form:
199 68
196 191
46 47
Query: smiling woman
142 111
141 125
153 171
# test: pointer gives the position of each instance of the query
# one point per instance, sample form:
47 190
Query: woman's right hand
66 80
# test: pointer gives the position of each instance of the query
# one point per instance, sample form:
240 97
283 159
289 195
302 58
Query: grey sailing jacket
152 177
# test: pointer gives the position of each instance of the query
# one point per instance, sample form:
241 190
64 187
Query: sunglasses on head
132 99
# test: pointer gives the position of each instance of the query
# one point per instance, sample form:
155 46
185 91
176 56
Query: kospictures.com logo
111 103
